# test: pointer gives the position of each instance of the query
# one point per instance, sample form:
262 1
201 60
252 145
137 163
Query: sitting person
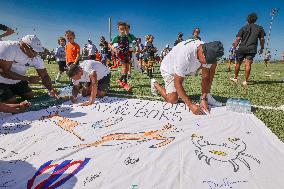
95 78
14 108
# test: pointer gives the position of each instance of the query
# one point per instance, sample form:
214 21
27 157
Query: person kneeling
95 78
185 59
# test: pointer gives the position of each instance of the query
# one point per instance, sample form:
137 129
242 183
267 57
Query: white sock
58 76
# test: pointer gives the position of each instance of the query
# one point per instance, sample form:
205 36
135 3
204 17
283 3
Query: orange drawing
140 136
65 123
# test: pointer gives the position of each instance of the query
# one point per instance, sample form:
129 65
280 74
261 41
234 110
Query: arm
236 43
75 92
6 71
178 80
112 48
14 108
46 81
77 57
8 32
94 87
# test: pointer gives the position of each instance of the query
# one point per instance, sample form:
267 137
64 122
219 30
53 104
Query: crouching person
93 76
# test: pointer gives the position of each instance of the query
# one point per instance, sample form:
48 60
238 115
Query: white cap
34 42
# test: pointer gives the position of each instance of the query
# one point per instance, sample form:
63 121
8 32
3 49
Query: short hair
127 25
252 18
70 32
73 70
61 38
120 23
195 29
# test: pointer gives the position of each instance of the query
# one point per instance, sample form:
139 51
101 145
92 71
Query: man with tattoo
15 59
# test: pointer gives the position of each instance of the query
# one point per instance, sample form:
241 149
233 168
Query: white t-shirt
10 51
182 59
90 66
91 49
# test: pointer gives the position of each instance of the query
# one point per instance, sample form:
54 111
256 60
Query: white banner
137 144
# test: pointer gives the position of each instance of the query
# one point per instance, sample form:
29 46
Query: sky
217 19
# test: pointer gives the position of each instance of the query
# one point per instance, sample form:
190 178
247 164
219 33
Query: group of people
92 77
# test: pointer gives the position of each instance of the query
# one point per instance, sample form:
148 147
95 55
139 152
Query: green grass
266 89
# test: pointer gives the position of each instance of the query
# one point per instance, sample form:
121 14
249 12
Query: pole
274 11
109 28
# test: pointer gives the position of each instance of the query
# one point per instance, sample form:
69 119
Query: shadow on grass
264 82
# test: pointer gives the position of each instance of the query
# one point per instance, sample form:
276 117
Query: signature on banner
224 184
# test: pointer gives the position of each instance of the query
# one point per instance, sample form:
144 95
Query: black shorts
103 84
92 57
62 66
8 91
248 56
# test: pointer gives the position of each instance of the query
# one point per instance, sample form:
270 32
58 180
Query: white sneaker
234 79
245 83
212 101
153 88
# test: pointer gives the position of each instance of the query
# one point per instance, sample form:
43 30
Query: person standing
247 40
60 58
179 39
92 49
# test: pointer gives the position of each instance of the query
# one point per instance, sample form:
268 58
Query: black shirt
3 27
249 35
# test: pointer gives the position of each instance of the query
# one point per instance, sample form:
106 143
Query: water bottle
229 104
242 106
248 107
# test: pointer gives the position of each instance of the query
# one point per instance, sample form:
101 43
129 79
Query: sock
125 78
58 77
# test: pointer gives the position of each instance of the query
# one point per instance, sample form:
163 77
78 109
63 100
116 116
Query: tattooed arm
46 81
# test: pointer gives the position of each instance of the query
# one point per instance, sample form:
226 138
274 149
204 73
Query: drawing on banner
14 125
4 173
107 122
130 160
91 178
64 123
141 136
58 170
225 183
227 153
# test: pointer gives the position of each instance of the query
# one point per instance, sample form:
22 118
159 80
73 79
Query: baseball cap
34 42
212 51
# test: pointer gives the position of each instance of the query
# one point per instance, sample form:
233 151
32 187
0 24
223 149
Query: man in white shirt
95 78
185 59
92 49
15 58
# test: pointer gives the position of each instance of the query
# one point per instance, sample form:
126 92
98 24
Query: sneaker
212 101
121 83
234 79
127 86
245 83
153 88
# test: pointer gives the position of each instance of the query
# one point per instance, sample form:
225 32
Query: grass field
266 89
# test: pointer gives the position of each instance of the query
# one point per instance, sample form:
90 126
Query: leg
247 69
170 98
237 69
212 71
